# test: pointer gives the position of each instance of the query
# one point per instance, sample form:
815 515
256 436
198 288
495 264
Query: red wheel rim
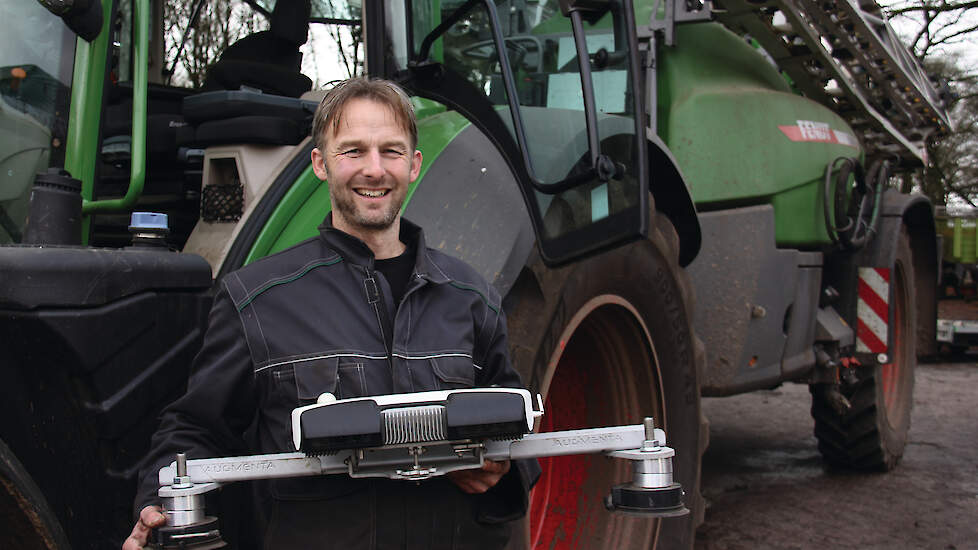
554 502
604 377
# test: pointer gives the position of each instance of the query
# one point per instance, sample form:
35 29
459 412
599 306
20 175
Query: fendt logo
814 131
817 132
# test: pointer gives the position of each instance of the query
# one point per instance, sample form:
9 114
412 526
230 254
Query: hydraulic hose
861 212
835 196
869 207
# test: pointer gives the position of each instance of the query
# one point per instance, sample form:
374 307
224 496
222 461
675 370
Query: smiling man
364 308
365 150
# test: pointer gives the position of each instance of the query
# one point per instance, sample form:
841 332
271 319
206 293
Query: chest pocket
343 377
316 377
448 373
301 382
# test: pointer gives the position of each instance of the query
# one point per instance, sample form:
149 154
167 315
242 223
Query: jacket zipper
416 282
375 299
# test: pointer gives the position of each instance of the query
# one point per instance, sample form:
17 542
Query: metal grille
222 202
414 424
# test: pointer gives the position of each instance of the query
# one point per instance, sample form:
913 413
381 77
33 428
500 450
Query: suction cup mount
652 492
187 528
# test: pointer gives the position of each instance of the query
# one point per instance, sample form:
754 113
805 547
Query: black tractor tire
26 520
873 433
608 341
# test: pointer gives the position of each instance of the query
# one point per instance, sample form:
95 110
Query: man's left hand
481 480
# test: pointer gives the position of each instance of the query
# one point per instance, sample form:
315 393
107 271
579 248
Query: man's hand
481 480
150 518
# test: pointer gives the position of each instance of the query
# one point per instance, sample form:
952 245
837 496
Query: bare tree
935 24
348 38
952 176
192 46
348 41
937 32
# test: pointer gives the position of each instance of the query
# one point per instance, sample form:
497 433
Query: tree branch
945 39
931 8
963 197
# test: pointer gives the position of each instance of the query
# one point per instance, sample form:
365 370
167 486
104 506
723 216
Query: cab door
553 85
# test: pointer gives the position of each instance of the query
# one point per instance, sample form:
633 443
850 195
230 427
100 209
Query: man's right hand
150 518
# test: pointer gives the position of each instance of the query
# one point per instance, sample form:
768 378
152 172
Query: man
363 309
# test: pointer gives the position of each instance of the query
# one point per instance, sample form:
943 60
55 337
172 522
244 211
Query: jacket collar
355 251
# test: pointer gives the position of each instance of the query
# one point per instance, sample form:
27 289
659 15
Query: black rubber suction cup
203 535
663 502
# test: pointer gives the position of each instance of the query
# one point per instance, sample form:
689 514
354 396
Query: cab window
36 55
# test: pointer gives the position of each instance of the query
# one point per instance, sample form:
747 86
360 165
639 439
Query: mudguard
668 187
917 214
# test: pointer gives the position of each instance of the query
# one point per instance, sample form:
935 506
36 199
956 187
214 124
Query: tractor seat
270 60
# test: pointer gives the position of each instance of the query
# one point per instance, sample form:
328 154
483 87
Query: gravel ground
766 486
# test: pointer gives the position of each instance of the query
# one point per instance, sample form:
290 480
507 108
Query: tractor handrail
137 169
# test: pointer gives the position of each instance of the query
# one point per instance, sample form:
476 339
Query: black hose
867 220
835 196
861 212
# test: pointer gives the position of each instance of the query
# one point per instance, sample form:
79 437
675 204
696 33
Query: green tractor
600 162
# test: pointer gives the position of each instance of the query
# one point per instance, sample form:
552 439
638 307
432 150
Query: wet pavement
766 486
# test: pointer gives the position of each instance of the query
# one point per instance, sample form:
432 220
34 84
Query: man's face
368 162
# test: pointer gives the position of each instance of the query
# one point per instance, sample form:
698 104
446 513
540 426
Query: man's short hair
385 92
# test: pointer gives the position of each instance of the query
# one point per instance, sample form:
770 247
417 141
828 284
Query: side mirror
83 17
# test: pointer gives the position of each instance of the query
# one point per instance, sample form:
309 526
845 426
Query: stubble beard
345 204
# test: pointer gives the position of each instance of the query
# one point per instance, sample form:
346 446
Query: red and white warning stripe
873 309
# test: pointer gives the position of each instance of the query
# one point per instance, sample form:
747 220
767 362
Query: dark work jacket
313 319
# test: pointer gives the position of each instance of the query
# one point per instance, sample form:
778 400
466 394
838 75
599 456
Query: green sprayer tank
743 136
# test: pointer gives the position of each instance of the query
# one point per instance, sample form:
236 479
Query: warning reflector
873 309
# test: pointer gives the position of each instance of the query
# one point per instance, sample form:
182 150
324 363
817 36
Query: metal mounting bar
570 442
245 468
652 491
383 461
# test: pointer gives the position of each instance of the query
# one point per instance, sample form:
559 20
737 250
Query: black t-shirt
397 271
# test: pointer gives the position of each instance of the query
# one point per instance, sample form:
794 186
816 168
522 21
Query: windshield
36 54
